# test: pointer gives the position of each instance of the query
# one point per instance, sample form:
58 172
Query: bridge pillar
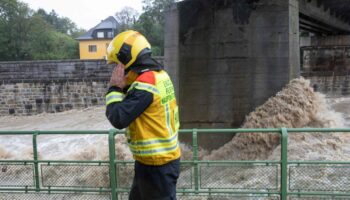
228 57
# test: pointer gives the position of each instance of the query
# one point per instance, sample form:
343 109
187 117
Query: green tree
151 23
61 24
29 35
156 8
13 29
45 43
126 18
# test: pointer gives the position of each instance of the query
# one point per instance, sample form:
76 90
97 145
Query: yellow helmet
126 47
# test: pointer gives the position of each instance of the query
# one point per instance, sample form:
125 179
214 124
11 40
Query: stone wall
33 87
326 58
326 63
33 71
329 83
56 96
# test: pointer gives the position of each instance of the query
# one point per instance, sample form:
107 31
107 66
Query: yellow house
93 44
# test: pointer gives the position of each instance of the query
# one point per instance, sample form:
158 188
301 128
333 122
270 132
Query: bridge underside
325 17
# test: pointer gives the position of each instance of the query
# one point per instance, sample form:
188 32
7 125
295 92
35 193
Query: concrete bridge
229 56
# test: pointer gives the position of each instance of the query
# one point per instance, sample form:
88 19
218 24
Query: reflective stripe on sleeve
114 97
144 86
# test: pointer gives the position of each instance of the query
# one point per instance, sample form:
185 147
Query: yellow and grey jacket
149 111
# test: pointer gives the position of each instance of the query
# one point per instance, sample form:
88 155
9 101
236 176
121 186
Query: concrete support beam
171 45
232 56
316 12
294 48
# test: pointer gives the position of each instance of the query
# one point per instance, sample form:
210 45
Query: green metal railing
199 179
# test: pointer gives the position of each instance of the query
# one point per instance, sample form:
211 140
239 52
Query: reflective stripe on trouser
114 97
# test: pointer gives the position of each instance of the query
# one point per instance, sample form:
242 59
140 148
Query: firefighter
141 98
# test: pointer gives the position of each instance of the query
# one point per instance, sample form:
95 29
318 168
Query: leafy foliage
151 23
13 29
49 44
126 18
31 35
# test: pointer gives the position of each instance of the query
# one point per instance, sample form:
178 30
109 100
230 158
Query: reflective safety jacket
150 111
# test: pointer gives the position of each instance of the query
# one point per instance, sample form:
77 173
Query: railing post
284 163
112 169
36 163
195 159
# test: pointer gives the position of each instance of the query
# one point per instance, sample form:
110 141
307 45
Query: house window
92 48
110 34
100 34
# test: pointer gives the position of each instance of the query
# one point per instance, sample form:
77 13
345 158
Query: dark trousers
155 182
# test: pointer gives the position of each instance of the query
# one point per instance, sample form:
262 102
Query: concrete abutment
228 57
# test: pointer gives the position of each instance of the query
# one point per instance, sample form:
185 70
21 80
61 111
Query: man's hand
118 79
